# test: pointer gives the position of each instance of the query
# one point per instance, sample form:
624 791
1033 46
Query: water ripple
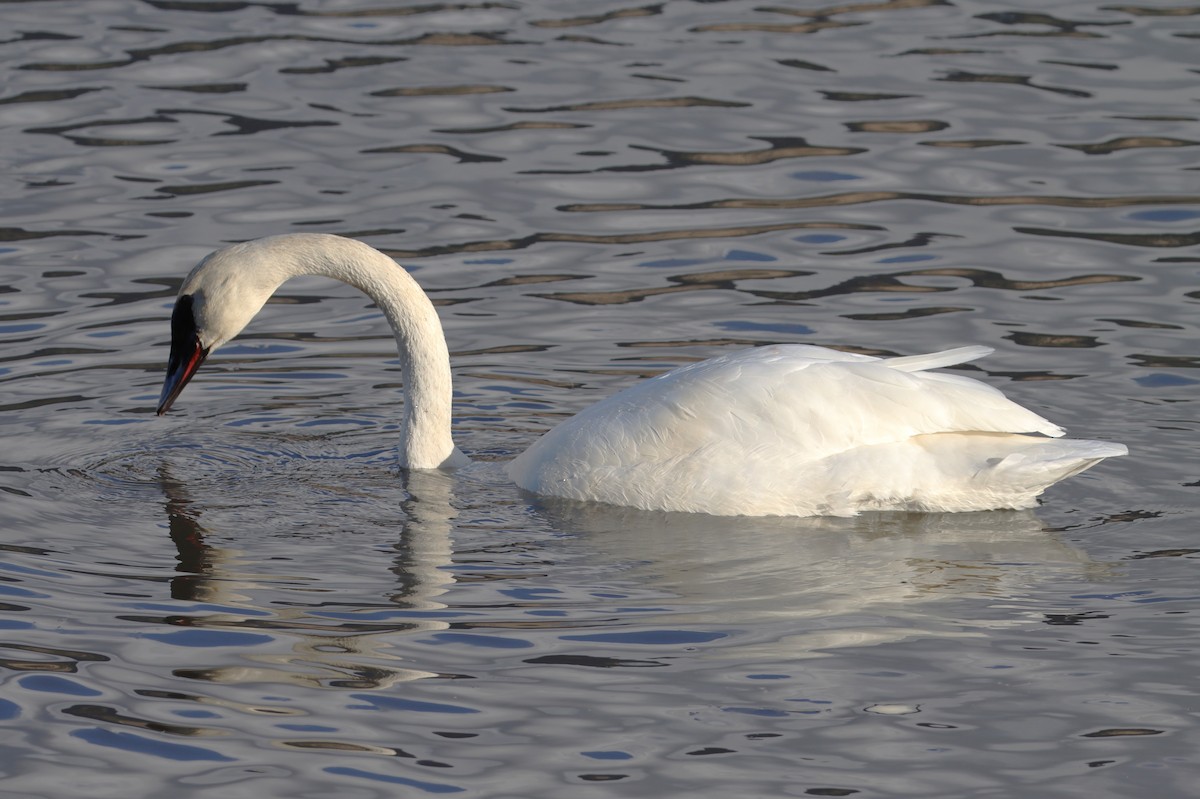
864 197
248 598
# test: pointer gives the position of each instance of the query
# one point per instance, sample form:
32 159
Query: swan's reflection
790 587
204 570
324 653
804 585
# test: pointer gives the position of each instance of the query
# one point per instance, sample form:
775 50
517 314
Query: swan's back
802 430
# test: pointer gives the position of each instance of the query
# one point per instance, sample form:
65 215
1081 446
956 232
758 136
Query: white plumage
797 430
789 430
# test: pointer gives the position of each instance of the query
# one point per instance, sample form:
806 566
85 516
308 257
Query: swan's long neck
425 441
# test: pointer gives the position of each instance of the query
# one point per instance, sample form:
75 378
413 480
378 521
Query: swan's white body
778 430
795 430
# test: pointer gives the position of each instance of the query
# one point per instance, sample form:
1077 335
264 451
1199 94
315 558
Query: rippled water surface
246 599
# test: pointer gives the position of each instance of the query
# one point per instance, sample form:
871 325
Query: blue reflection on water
771 327
12 590
208 638
147 746
1165 215
748 255
608 755
527 594
50 683
819 238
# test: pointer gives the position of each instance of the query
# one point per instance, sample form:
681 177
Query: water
244 599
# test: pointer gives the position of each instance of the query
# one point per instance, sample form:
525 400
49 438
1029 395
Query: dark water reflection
247 600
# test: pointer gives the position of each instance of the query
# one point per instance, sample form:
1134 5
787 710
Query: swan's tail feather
936 360
1040 466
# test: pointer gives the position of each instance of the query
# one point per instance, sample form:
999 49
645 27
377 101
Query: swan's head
217 300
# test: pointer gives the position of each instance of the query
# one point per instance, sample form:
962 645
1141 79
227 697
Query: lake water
246 599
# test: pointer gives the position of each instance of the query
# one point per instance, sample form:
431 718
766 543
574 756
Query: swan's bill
186 353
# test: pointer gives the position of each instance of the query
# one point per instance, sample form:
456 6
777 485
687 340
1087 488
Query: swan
778 430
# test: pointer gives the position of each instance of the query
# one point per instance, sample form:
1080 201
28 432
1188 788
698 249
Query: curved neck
425 441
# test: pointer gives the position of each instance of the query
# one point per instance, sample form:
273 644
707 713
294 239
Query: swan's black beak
186 353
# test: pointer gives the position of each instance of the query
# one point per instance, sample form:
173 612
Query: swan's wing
825 401
860 404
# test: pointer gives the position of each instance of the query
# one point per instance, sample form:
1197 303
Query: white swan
790 430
